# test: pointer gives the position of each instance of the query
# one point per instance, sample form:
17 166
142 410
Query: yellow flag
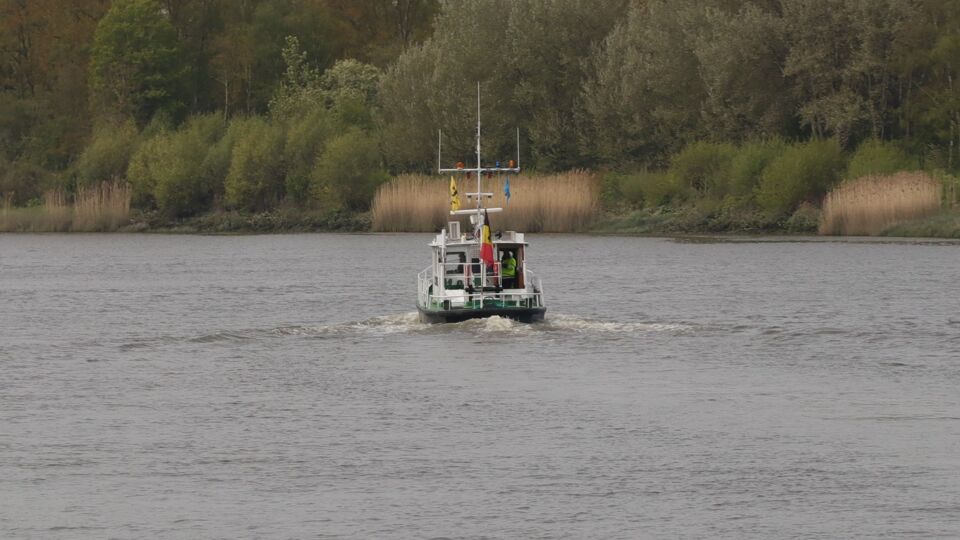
454 196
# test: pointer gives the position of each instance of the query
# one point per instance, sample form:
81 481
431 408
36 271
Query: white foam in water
409 322
567 322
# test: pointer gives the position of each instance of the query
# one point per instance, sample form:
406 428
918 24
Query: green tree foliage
349 85
928 60
349 171
636 112
375 31
804 172
181 170
528 60
652 188
619 84
306 139
740 57
137 65
704 167
22 182
108 155
748 164
255 180
876 157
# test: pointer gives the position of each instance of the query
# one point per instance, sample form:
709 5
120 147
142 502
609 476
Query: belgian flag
486 247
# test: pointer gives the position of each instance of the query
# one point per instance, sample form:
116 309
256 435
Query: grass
105 207
873 204
565 202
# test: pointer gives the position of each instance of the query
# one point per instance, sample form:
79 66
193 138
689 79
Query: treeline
193 101
251 104
754 186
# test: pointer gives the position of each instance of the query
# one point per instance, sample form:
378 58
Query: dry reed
101 208
872 204
566 202
104 207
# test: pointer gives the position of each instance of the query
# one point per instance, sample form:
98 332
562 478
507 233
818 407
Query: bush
349 171
175 169
650 188
802 172
747 166
876 158
255 179
610 195
108 154
306 137
805 220
704 167
140 172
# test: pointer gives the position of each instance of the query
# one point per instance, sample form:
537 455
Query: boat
469 274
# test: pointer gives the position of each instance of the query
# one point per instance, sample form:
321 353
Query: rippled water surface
281 387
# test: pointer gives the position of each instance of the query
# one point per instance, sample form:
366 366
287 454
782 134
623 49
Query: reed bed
104 207
100 208
565 202
872 204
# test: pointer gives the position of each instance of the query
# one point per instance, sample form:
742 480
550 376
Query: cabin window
454 263
453 267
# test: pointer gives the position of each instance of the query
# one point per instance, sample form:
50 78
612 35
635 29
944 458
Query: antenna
479 174
479 169
518 149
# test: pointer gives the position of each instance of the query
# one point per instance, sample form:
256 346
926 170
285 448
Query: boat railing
464 290
424 285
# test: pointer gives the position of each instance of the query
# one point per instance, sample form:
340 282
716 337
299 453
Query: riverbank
661 221
669 221
41 220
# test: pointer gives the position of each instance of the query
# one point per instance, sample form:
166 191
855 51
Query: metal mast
478 170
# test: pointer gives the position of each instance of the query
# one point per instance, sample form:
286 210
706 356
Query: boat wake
409 323
385 326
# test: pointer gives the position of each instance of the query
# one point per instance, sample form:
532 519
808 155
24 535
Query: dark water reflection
281 386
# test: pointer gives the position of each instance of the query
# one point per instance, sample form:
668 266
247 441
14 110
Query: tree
527 57
643 94
740 55
137 66
377 31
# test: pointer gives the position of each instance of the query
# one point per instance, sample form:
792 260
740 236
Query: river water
281 387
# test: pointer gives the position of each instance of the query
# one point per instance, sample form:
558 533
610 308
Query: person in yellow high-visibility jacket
508 271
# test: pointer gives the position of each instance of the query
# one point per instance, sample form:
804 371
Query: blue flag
506 189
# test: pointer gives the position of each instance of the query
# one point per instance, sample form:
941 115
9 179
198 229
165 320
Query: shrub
611 196
803 172
704 167
876 157
651 188
108 154
140 172
184 184
306 137
805 220
747 166
349 170
180 171
255 179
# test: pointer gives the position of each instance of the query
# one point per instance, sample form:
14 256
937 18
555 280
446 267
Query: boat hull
521 314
